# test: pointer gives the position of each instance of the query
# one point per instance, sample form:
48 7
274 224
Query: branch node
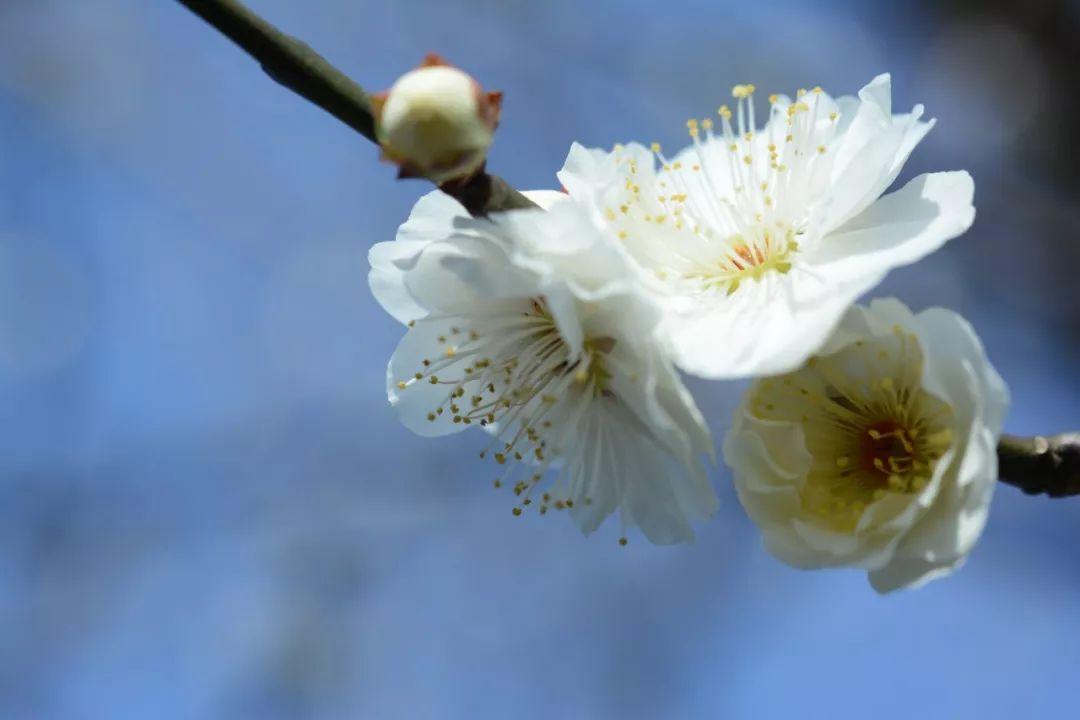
1041 465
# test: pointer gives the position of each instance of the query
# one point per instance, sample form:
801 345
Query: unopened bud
436 122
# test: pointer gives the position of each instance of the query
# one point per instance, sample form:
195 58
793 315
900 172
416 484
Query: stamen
516 376
871 435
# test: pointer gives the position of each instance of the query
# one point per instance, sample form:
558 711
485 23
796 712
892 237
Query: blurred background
207 509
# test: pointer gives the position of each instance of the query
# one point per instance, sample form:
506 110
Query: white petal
432 219
651 432
641 469
389 262
878 319
715 179
463 270
764 328
899 228
863 179
778 458
907 572
586 169
436 218
414 402
950 338
663 409
598 495
871 152
768 489
945 535
567 315
595 178
546 199
878 93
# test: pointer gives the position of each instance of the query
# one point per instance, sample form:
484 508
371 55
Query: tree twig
1041 465
1036 465
291 63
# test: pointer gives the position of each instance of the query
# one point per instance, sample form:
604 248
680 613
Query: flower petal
766 327
872 150
431 219
640 468
942 539
948 335
420 398
899 228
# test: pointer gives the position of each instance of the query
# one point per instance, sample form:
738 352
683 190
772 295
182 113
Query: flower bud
436 122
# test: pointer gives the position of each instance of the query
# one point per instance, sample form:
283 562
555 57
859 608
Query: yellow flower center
748 257
872 430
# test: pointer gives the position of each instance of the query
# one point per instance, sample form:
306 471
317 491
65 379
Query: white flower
761 240
880 452
530 325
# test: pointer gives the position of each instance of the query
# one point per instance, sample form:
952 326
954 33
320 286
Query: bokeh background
207 509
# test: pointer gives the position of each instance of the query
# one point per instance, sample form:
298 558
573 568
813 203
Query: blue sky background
207 509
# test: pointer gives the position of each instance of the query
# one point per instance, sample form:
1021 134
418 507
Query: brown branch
293 64
1041 465
1036 465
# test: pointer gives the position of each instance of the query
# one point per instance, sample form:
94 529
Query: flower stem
293 64
1041 465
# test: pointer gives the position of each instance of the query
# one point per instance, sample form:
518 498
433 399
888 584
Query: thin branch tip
291 63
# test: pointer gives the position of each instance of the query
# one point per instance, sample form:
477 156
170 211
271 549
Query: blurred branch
1040 465
293 64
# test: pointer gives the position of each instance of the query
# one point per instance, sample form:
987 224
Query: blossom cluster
867 437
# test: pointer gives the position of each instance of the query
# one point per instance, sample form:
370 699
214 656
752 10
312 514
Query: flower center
510 369
872 431
887 448
749 257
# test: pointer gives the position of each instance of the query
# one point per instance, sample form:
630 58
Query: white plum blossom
531 326
759 240
879 452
